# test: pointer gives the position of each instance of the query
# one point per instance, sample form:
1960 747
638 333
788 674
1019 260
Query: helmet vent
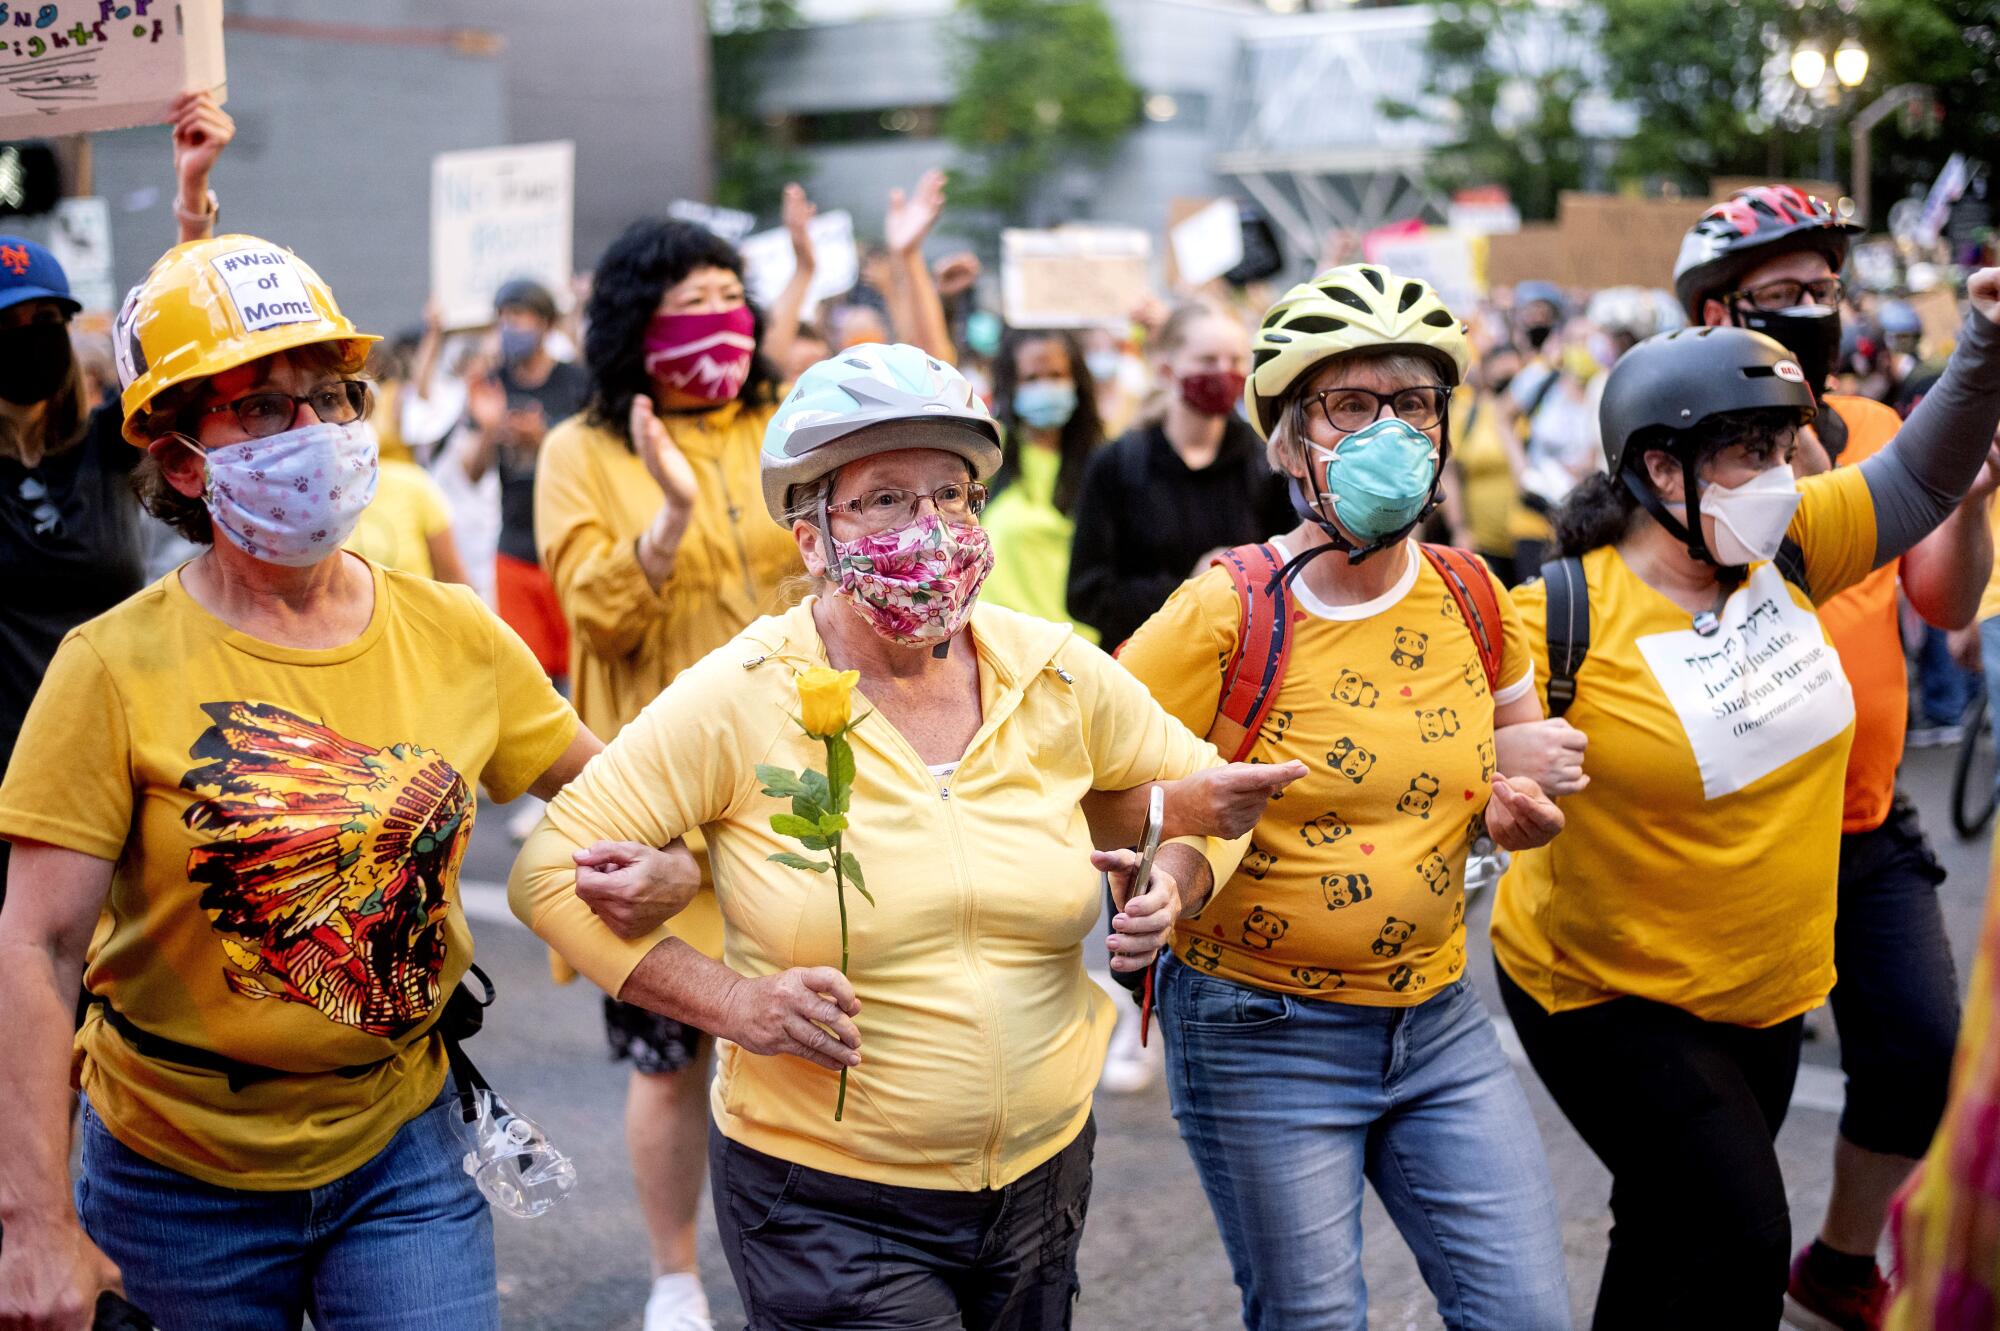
1316 323
1438 319
1278 337
857 364
1412 293
1346 297
1374 276
1263 357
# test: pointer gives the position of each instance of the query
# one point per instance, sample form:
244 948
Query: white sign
1762 690
266 288
1483 217
73 66
729 223
1209 243
498 214
1435 255
768 263
1945 191
1075 276
80 238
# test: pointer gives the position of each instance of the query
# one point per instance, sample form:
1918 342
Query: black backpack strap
1791 562
1568 629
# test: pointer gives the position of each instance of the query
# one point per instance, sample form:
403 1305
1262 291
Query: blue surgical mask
517 344
1104 365
1379 478
1045 404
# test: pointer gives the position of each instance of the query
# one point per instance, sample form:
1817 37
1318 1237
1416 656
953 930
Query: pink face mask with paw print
916 584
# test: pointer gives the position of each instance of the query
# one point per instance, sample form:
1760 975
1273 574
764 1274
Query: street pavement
1151 1258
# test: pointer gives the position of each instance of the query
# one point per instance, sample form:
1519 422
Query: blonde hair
1173 335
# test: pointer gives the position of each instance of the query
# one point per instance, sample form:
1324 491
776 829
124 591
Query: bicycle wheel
1972 789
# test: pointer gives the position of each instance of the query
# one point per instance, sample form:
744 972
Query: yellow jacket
981 1033
593 497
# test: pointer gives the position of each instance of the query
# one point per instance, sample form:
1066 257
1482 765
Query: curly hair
1081 435
651 256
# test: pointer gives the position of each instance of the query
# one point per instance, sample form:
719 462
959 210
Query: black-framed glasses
262 415
1351 409
888 507
1788 293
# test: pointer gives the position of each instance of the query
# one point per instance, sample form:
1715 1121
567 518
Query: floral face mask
914 584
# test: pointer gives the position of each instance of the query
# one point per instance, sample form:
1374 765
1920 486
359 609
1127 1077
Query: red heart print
1367 848
1468 794
1406 691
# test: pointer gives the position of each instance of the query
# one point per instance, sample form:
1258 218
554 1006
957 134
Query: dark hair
178 411
625 291
1081 436
1598 512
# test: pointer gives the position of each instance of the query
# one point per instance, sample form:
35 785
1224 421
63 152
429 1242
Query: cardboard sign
1075 276
1937 310
498 214
768 262
730 223
74 66
1208 244
1762 691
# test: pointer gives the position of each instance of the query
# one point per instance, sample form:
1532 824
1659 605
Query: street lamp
1810 70
1850 64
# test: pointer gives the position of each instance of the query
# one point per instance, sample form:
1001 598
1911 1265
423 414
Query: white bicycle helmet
872 399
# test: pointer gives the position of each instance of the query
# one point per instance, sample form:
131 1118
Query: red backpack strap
1263 645
1471 586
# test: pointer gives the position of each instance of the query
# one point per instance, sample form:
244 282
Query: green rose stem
818 819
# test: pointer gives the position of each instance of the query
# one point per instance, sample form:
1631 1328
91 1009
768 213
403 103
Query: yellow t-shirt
1031 540
287 827
1989 600
1486 478
1353 886
396 527
1698 867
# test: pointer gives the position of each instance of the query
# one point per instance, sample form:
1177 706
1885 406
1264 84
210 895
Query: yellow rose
826 699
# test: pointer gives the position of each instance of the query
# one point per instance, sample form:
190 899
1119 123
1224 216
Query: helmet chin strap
1687 533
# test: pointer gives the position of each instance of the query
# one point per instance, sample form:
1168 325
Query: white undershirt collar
1319 609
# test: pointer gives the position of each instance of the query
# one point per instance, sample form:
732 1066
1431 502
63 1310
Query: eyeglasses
880 510
1351 409
1788 293
264 414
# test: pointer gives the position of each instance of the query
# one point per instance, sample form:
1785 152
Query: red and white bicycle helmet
1749 227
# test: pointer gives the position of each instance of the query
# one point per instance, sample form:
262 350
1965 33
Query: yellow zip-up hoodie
981 1034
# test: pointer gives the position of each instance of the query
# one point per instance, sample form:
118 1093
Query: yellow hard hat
1358 307
211 305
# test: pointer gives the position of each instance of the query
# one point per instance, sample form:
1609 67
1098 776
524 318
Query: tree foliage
752 166
1951 46
1040 83
1499 73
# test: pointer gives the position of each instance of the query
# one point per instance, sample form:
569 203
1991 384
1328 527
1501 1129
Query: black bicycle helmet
1676 381
1749 227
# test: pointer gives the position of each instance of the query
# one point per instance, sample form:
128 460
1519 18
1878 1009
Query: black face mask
34 362
1537 334
1809 332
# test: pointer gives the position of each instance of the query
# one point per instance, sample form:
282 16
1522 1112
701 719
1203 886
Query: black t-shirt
1143 519
69 550
560 396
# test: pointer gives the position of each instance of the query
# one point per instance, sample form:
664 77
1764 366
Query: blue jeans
1989 659
404 1243
1287 1104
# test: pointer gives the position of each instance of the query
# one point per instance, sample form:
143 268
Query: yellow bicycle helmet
1356 307
212 305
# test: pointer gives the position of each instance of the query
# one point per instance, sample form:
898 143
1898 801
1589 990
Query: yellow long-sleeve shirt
593 497
981 1032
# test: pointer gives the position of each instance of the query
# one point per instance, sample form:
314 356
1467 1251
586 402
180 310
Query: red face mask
1214 393
705 356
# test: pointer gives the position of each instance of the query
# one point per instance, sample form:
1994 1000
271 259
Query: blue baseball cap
29 272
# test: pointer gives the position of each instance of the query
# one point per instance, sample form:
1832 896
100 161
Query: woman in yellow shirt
971 1030
1658 958
1320 1029
254 781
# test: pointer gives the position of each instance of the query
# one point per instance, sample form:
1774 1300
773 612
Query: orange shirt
1861 621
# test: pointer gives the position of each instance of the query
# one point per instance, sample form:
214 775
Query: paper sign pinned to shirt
76 66
1764 689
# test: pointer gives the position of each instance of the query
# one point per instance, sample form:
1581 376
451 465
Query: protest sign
74 66
80 238
1074 276
498 214
1937 311
1207 243
731 224
1437 255
768 263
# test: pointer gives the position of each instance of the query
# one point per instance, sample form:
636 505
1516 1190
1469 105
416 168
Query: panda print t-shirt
1352 888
